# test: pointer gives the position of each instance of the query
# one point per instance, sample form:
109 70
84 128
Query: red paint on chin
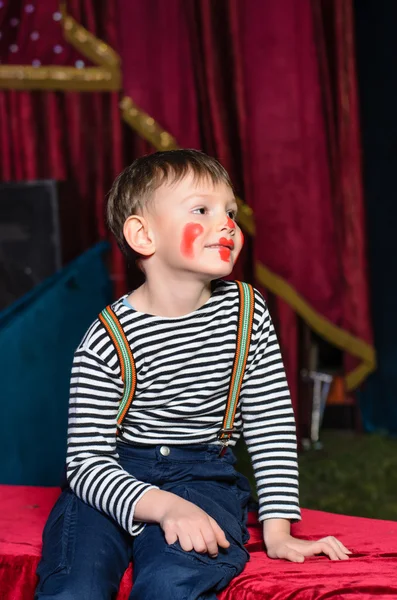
190 234
230 223
224 253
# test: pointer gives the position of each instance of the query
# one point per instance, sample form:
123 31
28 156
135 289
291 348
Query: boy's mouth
223 243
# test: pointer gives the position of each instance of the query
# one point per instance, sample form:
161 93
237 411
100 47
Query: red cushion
370 573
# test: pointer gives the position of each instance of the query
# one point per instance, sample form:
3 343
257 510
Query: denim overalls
85 553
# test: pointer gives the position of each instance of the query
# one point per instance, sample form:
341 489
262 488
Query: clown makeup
226 247
230 223
190 233
193 225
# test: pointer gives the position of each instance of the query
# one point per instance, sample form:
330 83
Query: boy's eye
232 214
200 211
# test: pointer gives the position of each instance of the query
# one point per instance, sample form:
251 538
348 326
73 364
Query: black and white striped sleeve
93 470
268 422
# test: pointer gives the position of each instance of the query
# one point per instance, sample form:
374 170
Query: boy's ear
138 235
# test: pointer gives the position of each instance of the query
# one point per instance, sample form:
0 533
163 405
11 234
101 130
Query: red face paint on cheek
190 234
230 223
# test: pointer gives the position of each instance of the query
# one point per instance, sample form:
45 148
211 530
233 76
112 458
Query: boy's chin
215 272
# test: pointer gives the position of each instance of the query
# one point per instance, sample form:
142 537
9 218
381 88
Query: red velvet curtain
66 136
63 136
334 38
185 69
77 137
243 81
219 53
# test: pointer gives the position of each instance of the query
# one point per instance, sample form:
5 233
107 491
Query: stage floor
370 573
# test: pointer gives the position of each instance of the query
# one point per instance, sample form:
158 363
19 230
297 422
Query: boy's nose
227 224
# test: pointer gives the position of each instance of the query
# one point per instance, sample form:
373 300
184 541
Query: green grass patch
353 474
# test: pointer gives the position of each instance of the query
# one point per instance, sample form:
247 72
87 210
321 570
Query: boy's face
194 227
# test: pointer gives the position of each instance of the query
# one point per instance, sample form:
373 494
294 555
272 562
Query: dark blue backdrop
38 335
376 33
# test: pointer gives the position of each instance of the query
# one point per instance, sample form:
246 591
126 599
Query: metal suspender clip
226 430
225 441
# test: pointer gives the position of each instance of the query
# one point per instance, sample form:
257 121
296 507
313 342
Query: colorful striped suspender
126 360
244 331
128 370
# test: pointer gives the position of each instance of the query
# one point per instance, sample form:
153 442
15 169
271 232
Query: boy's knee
180 578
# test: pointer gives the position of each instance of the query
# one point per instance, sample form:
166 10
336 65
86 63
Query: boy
164 492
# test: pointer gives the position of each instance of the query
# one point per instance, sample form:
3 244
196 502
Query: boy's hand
186 522
181 520
295 550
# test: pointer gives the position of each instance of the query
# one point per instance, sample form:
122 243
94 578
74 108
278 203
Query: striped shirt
184 365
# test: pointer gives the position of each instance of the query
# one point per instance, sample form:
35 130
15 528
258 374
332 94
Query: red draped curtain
220 52
267 87
333 22
67 137
249 83
71 136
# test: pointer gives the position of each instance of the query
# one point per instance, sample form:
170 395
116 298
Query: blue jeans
85 553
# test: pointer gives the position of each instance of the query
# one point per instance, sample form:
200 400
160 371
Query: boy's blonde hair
133 189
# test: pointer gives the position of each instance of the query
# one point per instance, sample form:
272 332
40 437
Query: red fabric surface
371 571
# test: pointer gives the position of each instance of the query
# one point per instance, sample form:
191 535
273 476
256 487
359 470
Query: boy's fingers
291 555
343 547
199 543
219 534
327 549
339 548
185 542
171 537
341 554
209 539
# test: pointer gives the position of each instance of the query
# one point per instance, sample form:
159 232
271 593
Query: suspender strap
244 331
126 360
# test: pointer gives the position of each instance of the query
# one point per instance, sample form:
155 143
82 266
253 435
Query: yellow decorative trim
104 77
146 126
339 337
22 77
90 46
